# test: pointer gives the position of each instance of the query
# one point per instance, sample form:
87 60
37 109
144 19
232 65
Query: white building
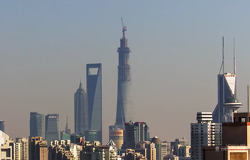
204 133
5 148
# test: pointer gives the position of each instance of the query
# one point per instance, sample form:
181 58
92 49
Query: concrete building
60 150
124 112
185 151
38 149
52 127
204 133
156 140
235 142
6 152
131 154
77 139
165 148
134 133
37 125
94 91
81 111
116 135
1 125
95 150
147 149
21 151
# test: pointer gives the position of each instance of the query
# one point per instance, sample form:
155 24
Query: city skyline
176 51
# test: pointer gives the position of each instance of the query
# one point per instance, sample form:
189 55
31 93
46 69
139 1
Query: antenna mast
223 62
234 67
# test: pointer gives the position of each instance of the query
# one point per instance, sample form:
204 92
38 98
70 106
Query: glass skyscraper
37 127
81 111
52 127
94 91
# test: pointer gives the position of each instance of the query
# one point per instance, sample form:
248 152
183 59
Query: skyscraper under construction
124 111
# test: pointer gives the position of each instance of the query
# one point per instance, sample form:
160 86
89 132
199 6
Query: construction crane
124 28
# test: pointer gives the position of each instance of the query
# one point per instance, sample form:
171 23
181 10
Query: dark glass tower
81 111
52 127
2 125
94 91
124 89
37 125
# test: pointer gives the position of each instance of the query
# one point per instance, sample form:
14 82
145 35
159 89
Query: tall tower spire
124 90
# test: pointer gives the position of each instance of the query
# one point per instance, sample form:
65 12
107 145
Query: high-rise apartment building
124 111
134 133
81 111
37 125
2 125
38 149
204 133
22 149
156 140
52 127
94 92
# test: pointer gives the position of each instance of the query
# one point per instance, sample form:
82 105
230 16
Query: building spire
80 86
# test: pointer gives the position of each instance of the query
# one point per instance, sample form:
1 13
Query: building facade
38 148
52 127
125 112
204 133
134 133
6 150
116 135
94 92
37 125
22 148
81 111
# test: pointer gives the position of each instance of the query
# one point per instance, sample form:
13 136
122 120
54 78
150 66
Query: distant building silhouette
124 111
52 127
81 111
37 125
94 92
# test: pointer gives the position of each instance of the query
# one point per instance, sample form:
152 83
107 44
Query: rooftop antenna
222 64
223 58
247 98
234 67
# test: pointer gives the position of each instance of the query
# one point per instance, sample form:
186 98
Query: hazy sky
175 58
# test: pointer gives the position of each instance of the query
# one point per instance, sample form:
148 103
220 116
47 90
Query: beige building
165 148
21 149
147 149
63 149
116 135
38 148
131 154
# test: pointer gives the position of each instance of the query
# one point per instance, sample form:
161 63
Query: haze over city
175 58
